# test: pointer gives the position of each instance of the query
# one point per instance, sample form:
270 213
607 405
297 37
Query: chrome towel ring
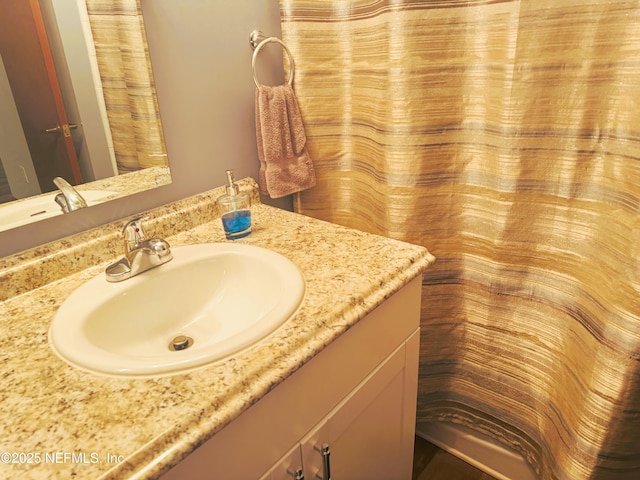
257 40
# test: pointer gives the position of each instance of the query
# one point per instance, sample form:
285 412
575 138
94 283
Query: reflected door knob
64 129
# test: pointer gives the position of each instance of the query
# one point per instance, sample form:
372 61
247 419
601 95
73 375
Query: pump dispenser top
232 187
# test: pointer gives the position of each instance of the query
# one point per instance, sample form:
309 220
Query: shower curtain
505 137
127 83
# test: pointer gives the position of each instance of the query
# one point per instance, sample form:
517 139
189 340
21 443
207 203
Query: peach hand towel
285 166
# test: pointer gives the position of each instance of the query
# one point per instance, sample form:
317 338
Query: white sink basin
223 296
22 212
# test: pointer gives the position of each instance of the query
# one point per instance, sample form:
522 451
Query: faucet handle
133 233
140 253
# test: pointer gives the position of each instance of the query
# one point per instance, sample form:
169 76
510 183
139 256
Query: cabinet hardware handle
326 461
297 474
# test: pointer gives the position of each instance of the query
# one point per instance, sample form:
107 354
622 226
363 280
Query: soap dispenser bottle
234 207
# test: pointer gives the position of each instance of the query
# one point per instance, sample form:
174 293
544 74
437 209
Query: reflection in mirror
78 102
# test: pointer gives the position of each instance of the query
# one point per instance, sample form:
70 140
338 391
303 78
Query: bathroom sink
211 301
22 212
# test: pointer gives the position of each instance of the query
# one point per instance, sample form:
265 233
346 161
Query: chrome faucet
69 199
140 254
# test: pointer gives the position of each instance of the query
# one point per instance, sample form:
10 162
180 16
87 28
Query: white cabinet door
370 434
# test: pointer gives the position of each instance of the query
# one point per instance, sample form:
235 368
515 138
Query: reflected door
30 69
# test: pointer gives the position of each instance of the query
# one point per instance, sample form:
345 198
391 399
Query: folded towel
285 166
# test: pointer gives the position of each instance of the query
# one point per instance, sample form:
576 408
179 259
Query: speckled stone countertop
130 183
72 424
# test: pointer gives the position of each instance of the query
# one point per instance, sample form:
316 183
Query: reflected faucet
69 199
140 253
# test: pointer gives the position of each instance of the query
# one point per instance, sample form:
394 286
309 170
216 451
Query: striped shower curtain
127 83
505 137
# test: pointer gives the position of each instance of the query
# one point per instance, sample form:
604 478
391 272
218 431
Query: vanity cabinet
357 398
365 436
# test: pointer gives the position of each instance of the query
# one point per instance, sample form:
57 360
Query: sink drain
180 343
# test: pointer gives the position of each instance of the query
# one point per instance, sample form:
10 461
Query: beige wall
202 62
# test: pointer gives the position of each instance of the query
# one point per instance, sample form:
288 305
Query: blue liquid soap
237 224
236 219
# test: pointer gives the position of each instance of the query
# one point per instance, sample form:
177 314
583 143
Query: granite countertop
60 422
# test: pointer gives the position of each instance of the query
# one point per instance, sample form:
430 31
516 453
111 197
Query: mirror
109 123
